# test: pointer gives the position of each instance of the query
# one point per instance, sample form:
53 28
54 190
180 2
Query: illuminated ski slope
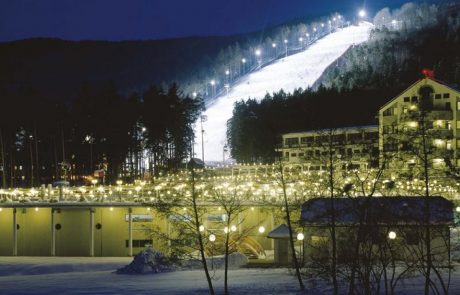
298 70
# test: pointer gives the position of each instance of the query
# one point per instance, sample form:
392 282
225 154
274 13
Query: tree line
351 91
121 136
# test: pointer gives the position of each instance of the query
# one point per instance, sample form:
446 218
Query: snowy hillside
298 70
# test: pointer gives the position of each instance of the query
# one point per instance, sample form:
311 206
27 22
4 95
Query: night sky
154 19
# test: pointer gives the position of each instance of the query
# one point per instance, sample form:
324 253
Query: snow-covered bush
147 260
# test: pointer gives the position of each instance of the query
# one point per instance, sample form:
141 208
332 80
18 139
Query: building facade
353 146
429 110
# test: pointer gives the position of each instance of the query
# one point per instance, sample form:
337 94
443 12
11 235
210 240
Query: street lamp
212 239
362 13
90 140
203 118
286 46
213 87
224 150
261 229
392 235
258 53
301 237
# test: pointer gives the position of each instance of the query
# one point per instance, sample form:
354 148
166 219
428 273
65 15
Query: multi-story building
430 103
354 146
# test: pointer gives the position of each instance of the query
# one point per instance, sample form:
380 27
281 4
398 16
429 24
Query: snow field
295 71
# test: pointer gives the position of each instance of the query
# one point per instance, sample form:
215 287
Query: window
446 95
407 99
291 141
309 140
437 96
388 112
458 124
414 98
293 155
139 243
404 110
458 105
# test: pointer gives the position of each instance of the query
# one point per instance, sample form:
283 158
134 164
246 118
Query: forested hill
59 67
351 91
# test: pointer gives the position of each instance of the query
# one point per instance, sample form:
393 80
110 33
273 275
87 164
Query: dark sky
153 19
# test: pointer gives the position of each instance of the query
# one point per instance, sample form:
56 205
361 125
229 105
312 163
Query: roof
381 210
418 81
280 232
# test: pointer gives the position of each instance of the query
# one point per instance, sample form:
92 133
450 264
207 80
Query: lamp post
301 238
286 46
258 54
243 61
213 87
90 140
203 118
224 150
212 239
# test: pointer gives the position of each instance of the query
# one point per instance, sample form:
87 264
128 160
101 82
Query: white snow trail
295 71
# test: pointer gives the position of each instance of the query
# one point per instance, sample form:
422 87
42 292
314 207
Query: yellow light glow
392 235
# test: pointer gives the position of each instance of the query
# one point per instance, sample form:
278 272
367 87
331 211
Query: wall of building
111 230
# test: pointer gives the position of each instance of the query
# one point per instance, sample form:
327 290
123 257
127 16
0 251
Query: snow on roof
380 210
280 232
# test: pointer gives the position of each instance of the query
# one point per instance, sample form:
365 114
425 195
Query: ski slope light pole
286 46
203 118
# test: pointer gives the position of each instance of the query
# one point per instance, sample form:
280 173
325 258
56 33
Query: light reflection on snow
299 70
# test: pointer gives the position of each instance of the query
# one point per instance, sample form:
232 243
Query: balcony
440 115
441 133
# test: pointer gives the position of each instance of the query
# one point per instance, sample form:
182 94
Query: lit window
458 124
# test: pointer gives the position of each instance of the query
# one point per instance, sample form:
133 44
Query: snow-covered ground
298 70
83 275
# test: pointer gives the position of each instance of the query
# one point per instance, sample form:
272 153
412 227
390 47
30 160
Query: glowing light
213 82
201 228
274 45
261 229
212 237
258 52
111 209
456 209
300 236
392 235
226 230
233 228
362 13
243 60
